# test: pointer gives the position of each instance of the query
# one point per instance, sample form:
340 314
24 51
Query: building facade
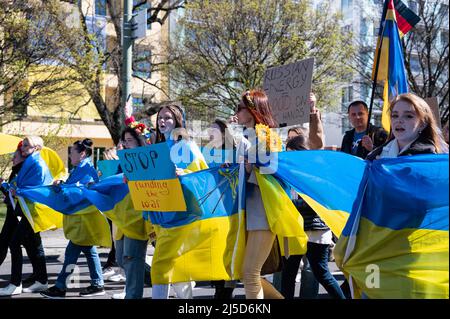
70 117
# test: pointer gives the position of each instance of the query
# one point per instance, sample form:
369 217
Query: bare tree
28 74
225 46
79 53
427 54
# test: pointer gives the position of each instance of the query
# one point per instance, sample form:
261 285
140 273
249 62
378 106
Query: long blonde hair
432 131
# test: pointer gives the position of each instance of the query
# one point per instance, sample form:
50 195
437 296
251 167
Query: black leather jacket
377 134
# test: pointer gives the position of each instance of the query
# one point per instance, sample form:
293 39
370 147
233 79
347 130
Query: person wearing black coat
319 241
355 141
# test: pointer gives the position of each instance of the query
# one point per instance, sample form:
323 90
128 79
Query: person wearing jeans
130 255
309 286
84 231
71 255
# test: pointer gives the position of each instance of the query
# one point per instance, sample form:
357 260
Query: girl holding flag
171 130
84 230
34 172
254 112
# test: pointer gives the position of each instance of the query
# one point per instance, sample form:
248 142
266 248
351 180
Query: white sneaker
108 272
117 278
36 287
120 295
11 290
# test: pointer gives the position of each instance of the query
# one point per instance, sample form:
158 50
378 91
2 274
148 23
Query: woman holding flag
255 113
83 230
171 129
34 172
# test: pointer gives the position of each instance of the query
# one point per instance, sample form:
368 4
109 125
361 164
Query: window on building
415 64
346 4
138 5
347 97
142 64
363 30
100 7
444 39
365 89
138 104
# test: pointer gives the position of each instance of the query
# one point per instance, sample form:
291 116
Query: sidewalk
55 244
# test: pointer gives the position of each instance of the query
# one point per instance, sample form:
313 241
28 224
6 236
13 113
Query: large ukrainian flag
39 168
328 181
83 223
396 244
77 201
206 242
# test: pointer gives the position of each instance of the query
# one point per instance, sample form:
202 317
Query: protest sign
151 178
288 88
107 168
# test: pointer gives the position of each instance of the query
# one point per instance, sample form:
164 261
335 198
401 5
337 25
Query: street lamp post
127 50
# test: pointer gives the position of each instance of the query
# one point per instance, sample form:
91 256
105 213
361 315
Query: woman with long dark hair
74 225
254 109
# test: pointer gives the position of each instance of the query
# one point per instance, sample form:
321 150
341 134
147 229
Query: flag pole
375 78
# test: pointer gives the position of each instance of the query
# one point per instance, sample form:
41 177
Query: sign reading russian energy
152 181
288 88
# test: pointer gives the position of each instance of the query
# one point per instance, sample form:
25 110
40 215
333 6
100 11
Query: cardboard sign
288 88
147 163
107 168
434 105
152 181
161 196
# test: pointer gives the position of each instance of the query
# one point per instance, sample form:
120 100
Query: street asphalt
55 244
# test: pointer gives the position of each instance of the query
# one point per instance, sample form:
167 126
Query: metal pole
127 50
375 79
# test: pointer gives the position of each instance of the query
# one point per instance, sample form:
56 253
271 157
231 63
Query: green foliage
225 46
2 214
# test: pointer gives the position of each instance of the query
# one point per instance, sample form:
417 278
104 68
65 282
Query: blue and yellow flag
396 21
282 216
111 196
395 244
83 223
328 181
186 155
39 169
206 242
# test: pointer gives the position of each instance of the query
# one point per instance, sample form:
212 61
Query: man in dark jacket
355 141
